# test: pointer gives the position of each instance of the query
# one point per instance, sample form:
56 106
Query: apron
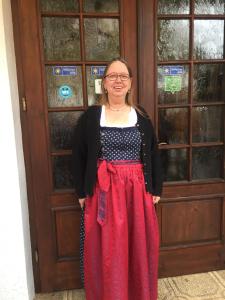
121 242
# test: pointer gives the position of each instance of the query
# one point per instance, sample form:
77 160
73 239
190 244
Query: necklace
117 109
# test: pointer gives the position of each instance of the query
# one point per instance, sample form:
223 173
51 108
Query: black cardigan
86 146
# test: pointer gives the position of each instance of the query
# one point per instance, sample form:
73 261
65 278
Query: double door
62 48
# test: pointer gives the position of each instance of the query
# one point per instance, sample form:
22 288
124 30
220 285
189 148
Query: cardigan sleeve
156 167
79 156
157 176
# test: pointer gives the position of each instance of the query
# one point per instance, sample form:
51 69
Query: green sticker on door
172 83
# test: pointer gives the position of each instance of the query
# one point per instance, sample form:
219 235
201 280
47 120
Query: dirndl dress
121 243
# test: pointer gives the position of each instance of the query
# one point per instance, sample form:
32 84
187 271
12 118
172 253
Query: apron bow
104 170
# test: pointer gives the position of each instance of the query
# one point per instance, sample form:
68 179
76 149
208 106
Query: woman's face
117 81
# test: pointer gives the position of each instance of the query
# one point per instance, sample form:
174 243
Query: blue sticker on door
173 70
65 92
64 70
97 70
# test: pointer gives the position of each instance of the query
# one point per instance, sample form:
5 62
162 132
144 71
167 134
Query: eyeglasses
114 76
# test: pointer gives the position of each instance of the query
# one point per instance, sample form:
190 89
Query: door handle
162 143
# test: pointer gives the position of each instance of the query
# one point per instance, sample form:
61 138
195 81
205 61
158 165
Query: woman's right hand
82 201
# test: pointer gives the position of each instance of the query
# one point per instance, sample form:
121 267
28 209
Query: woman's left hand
156 199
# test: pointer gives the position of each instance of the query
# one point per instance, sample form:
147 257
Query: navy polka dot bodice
120 143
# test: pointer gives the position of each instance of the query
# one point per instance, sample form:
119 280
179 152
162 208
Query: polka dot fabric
120 143
82 236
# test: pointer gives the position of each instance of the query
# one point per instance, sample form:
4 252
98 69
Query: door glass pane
173 125
101 6
209 7
61 129
101 39
209 83
62 172
208 39
175 164
173 84
61 38
59 5
207 124
173 7
64 86
94 76
173 39
207 162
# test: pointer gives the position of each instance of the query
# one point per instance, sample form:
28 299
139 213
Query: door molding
147 56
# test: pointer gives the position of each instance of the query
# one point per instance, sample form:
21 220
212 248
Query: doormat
202 286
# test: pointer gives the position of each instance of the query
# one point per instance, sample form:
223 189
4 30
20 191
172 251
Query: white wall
16 274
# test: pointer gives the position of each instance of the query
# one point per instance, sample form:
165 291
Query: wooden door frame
26 28
145 14
19 46
147 33
26 32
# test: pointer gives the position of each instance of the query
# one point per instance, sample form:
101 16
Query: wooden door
62 48
182 85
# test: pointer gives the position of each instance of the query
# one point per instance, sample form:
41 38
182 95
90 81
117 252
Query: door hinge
24 104
36 256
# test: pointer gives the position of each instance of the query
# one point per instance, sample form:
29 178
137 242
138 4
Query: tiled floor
204 286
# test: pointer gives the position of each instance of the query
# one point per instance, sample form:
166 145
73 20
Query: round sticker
65 91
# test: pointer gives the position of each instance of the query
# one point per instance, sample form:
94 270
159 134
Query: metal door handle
162 143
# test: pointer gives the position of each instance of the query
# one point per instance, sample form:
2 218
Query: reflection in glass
207 124
173 39
61 129
207 162
61 38
175 164
92 84
173 125
173 7
62 172
101 6
101 39
169 97
209 7
59 5
209 82
55 84
208 39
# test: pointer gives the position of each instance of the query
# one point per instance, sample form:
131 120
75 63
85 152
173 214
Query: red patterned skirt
121 236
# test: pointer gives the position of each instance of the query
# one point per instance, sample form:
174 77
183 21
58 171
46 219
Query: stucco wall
16 275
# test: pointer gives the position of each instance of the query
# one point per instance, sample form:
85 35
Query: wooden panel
195 189
68 199
191 260
67 276
188 257
67 225
191 221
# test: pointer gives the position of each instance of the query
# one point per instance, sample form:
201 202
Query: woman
118 179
